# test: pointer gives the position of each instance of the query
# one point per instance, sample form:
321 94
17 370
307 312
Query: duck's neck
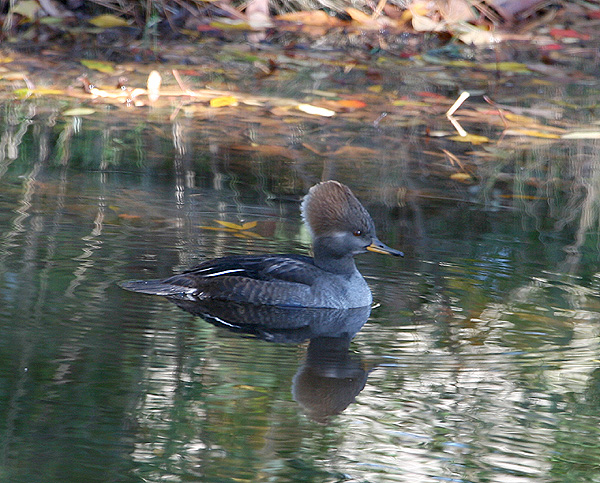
329 259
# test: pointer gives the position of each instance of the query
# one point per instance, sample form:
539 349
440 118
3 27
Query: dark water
478 362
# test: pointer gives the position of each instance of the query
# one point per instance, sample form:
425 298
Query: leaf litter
390 88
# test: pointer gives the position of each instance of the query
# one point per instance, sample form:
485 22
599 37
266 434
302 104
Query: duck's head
339 225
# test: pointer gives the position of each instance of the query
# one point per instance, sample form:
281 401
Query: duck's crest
330 206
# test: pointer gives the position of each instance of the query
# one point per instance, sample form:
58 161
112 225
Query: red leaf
549 47
568 34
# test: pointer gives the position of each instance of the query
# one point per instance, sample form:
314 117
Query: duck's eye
357 232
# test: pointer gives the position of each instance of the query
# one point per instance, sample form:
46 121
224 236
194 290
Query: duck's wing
288 268
243 278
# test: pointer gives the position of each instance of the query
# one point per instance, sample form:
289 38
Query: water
477 363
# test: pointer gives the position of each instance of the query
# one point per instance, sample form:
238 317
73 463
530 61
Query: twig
464 95
449 113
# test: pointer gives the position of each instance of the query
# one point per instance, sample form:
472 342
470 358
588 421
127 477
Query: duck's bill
377 246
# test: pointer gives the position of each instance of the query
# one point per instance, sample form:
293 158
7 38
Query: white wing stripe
223 272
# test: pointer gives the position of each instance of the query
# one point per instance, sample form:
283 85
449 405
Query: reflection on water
478 362
330 378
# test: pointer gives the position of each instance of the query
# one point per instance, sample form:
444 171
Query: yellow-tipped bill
379 247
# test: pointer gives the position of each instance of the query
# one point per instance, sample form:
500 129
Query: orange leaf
358 16
431 95
317 18
351 103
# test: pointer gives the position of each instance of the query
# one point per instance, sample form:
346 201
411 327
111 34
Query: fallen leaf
505 67
79 111
125 216
228 224
359 16
376 89
518 118
223 101
470 138
531 133
568 34
438 134
25 92
108 21
351 103
226 24
99 65
249 224
316 111
551 47
476 36
258 15
406 102
317 18
422 23
431 95
153 85
582 135
462 177
234 228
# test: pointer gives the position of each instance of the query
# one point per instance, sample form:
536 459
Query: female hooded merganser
340 228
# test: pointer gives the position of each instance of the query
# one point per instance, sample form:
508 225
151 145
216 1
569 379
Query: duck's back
283 280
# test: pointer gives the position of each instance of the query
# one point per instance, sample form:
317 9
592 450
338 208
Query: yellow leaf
518 118
403 102
228 224
25 93
505 67
470 138
218 228
248 225
6 60
376 89
223 101
317 111
108 21
531 133
462 177
241 25
99 65
43 91
79 111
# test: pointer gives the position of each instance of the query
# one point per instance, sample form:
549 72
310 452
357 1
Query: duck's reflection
331 376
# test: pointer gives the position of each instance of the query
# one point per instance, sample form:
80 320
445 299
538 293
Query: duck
340 228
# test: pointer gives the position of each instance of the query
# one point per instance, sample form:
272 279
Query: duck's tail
165 288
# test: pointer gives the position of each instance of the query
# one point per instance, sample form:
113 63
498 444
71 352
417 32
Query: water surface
478 361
